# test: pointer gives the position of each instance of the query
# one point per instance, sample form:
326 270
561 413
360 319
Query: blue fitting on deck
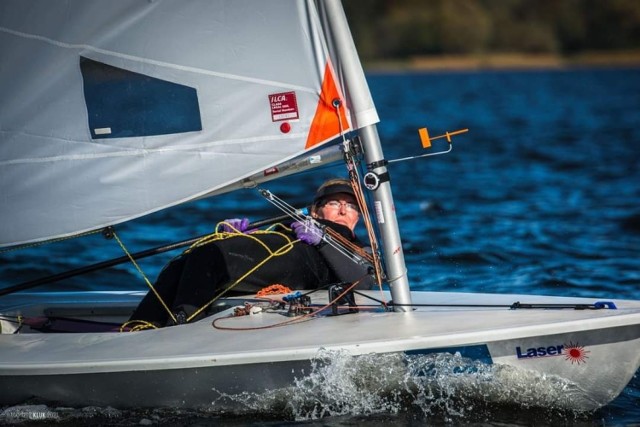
605 304
292 297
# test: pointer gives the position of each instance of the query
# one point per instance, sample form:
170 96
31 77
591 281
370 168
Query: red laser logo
575 353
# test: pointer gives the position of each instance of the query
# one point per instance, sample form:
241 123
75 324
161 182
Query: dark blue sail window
124 104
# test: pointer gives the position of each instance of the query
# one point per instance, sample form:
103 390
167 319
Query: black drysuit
193 279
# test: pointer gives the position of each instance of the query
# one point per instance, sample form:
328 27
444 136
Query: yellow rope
280 251
216 236
139 325
144 276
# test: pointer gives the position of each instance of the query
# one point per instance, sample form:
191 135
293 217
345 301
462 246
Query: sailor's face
340 208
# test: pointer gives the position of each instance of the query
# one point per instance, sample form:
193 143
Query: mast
357 90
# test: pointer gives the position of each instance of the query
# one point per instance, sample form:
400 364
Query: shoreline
508 61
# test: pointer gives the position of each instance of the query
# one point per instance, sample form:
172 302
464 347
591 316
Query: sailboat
115 110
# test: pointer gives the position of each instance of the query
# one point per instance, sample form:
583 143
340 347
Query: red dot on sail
285 127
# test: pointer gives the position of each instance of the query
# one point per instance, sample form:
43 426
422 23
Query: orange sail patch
325 123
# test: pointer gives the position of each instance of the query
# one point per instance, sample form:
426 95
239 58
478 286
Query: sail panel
330 117
154 106
187 105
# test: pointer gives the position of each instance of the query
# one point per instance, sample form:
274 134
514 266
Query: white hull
596 351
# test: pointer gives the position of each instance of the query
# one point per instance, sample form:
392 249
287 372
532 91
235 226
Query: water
540 197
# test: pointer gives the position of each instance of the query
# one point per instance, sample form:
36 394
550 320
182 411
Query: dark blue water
542 196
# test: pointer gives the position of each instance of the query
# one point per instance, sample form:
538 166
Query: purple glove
308 232
240 225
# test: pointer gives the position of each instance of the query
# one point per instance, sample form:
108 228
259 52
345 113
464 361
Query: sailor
192 280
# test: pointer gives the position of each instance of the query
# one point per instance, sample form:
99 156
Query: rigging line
280 251
350 246
144 276
336 104
352 169
391 303
327 286
398 277
515 306
354 177
303 318
357 189
138 325
299 216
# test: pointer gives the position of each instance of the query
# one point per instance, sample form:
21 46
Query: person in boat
188 284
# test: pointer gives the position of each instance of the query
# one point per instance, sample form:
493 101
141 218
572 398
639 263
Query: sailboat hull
593 353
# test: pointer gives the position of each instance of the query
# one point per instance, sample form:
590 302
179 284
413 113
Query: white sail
113 110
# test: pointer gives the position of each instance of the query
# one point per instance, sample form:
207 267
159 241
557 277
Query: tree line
396 29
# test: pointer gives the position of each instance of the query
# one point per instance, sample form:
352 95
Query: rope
216 236
335 243
366 217
355 179
138 325
280 251
144 276
299 319
274 289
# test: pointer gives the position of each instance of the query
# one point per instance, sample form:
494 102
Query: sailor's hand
308 232
235 225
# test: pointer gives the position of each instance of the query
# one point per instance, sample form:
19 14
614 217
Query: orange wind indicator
426 140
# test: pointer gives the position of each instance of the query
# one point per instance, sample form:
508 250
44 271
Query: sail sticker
270 171
102 131
572 352
124 104
379 213
284 106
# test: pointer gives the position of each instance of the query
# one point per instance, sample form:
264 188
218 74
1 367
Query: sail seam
194 70
145 151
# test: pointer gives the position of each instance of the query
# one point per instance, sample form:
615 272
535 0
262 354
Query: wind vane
426 140
426 143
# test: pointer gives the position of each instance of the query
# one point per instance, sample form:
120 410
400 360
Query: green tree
385 29
464 26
